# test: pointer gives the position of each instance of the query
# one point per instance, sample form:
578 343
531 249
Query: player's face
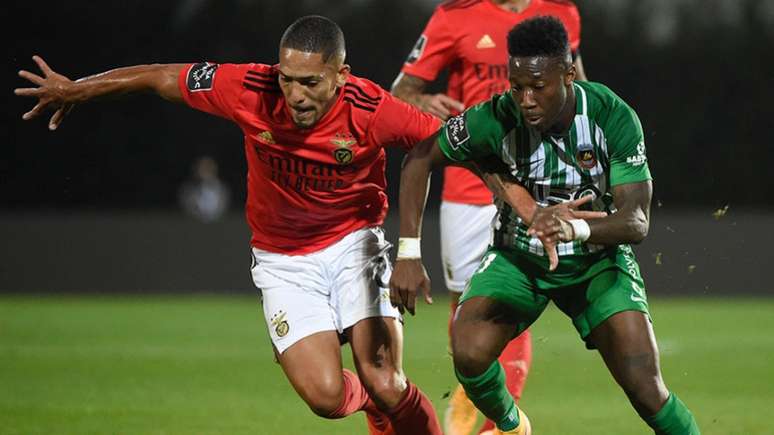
309 84
542 88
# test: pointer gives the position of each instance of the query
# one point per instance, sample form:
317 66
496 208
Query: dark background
93 206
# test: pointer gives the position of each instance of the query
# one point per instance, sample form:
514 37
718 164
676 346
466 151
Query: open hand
52 92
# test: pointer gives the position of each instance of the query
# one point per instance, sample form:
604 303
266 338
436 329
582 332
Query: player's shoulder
497 114
451 5
259 78
363 95
601 101
567 5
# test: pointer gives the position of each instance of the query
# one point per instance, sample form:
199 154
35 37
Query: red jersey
470 38
307 188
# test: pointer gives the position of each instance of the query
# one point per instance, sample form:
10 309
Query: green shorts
588 288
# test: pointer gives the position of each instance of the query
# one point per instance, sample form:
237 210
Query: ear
569 76
342 74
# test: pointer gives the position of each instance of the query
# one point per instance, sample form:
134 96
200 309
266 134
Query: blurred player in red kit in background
314 138
468 37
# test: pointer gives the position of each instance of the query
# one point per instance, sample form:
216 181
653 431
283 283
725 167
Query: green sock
674 418
488 392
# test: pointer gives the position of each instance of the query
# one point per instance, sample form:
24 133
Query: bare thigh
627 344
319 354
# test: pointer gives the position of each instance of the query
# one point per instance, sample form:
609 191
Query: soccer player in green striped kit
558 140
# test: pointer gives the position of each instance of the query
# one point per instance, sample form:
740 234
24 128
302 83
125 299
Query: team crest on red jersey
266 137
343 154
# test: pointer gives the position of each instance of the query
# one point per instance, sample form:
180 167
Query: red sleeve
212 88
572 22
397 123
434 49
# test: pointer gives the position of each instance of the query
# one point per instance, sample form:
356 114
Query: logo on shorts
416 51
585 156
281 326
457 131
201 76
343 154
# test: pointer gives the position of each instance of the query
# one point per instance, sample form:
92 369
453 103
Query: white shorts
327 290
466 232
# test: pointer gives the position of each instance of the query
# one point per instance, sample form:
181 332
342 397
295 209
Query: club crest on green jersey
585 156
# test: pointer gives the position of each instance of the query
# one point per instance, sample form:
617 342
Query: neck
512 5
567 115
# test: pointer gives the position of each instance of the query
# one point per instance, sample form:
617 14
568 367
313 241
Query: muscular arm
409 275
411 89
414 183
491 170
630 223
55 91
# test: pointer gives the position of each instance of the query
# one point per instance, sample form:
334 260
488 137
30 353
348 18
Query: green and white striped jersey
604 147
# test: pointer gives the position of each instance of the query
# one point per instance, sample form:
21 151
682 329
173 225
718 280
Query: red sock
414 415
516 360
355 396
356 399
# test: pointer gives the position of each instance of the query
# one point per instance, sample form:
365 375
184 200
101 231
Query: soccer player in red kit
468 37
314 142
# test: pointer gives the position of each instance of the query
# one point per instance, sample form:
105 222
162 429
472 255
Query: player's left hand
52 92
408 278
551 225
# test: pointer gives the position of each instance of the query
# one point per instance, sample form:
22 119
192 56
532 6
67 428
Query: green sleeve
626 146
474 134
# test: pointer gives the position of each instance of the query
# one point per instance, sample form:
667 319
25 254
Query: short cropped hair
539 36
315 34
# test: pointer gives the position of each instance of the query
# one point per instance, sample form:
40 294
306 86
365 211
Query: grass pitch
203 365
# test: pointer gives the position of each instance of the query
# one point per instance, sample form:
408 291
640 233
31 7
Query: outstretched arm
57 92
411 89
409 275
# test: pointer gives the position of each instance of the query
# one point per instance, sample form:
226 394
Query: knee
644 387
385 385
323 397
471 354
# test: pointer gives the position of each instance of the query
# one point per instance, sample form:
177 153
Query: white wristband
408 248
581 229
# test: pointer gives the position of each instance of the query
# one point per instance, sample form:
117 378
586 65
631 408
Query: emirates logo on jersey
343 154
485 42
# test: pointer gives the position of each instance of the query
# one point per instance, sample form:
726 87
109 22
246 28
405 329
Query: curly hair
538 36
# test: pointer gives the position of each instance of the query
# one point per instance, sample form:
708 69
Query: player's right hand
52 92
408 278
551 225
441 106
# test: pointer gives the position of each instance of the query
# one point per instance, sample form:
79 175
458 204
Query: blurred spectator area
94 206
